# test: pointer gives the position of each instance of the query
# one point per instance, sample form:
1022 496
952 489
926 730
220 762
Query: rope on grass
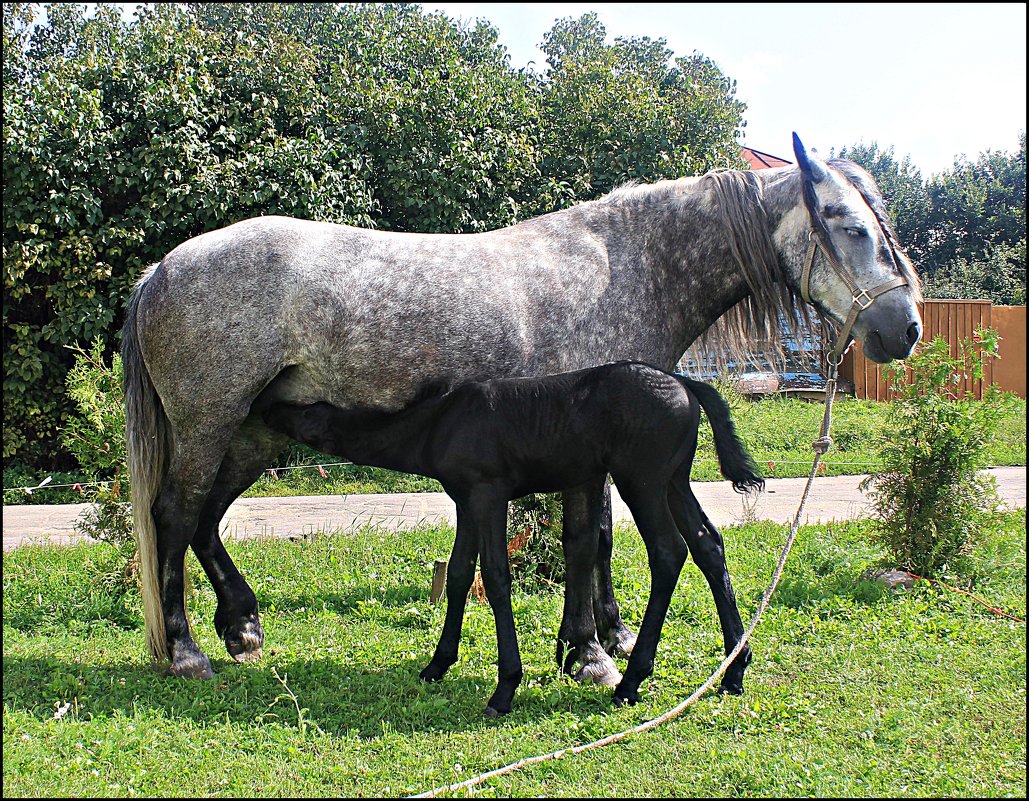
820 446
993 609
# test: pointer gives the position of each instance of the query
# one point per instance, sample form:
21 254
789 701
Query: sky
934 81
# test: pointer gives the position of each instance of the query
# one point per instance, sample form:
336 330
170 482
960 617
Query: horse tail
735 461
147 445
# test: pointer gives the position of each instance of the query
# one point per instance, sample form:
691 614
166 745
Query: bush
534 539
930 497
96 437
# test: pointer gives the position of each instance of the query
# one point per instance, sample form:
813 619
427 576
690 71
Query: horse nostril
914 333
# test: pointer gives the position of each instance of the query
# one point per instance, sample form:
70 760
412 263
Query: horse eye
856 233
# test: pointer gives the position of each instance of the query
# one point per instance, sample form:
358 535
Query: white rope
820 446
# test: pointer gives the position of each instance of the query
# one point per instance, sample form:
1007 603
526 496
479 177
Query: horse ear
811 167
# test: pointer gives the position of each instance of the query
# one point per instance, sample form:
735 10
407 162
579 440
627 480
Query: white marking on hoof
625 641
601 671
192 666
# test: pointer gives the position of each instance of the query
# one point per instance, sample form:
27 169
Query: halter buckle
863 300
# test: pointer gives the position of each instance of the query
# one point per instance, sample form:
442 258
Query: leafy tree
622 112
123 139
976 206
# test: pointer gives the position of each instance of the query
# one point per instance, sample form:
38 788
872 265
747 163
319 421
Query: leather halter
862 298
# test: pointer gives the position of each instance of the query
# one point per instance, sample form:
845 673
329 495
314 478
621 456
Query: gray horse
275 309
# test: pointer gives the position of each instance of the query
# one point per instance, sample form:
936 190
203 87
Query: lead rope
820 446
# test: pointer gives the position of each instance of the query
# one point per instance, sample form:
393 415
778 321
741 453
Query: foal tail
736 462
147 439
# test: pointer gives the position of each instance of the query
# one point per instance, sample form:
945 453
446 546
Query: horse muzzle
888 333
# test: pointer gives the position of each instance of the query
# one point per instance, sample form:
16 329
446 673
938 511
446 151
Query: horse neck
678 233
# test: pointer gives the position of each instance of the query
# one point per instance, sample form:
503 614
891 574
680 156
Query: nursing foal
490 442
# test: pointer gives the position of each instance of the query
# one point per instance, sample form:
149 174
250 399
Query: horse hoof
431 673
194 666
606 675
491 714
245 645
620 642
731 689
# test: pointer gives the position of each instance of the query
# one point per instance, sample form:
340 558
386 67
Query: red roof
762 161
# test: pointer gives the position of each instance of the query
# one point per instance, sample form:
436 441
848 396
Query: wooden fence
955 320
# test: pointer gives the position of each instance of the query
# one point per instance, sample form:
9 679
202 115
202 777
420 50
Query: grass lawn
854 690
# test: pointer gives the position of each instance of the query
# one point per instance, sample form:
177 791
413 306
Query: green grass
854 690
776 430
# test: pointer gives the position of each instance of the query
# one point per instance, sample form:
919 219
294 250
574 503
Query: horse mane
865 185
773 312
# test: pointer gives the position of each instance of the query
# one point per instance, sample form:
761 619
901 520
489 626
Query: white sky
934 80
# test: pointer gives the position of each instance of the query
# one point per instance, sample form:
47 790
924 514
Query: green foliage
622 112
534 539
998 275
931 499
121 140
96 437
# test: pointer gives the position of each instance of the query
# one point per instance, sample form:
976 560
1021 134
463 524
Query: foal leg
666 553
460 574
488 512
708 549
583 507
236 619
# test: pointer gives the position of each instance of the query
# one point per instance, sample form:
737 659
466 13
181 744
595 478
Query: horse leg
666 553
176 512
488 513
583 508
617 638
708 549
236 619
460 574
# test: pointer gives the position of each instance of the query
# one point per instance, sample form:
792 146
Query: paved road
833 498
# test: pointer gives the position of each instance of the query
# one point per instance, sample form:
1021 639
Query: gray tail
147 445
735 461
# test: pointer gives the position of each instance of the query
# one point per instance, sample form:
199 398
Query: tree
627 111
123 139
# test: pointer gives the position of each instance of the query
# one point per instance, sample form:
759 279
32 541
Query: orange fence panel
955 320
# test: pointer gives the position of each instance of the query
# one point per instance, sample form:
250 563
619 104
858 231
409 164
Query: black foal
488 443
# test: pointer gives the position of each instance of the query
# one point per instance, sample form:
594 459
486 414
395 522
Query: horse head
853 270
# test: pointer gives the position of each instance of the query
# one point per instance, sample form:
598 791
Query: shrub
96 437
930 497
534 539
